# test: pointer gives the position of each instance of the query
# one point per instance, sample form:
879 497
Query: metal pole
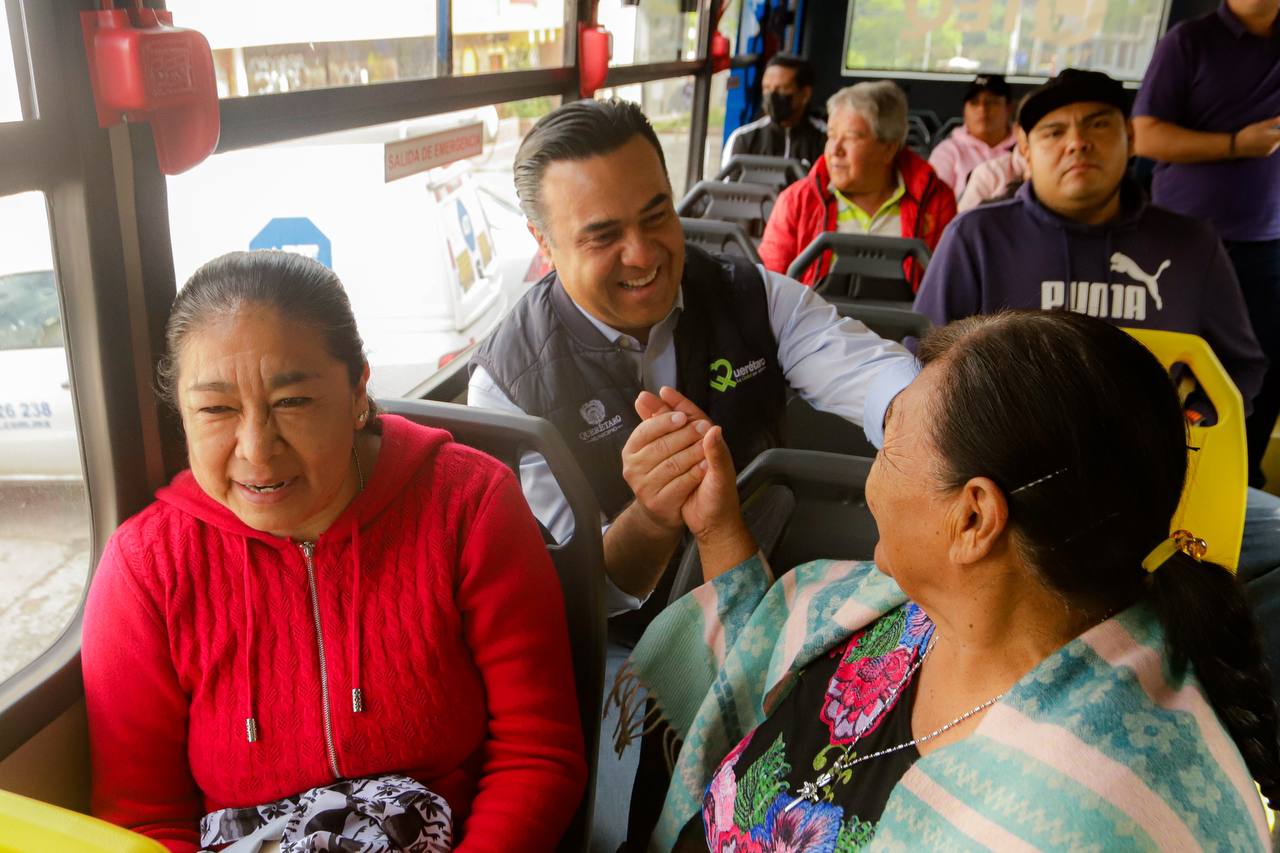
701 95
444 38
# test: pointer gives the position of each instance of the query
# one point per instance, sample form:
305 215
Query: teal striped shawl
1098 747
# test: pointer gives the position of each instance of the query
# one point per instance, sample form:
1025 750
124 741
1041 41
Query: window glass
10 106
507 35
44 513
288 45
431 260
715 123
653 31
728 25
669 106
1029 37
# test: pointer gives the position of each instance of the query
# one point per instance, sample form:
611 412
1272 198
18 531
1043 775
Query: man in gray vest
631 308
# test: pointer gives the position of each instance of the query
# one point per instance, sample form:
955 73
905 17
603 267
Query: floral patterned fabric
855 699
379 814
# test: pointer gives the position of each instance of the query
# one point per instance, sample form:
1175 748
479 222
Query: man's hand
660 461
1260 139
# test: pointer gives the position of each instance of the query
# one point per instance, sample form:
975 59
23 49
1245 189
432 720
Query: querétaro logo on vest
725 376
593 412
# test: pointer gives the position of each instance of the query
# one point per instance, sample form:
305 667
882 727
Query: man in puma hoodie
1080 236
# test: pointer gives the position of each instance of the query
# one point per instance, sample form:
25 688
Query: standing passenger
866 182
786 129
987 132
1209 113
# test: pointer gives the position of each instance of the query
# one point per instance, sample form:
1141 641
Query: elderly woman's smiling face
270 418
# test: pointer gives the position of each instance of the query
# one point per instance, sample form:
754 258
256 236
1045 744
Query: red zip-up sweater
807 208
436 598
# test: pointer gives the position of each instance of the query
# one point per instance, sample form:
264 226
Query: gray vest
552 362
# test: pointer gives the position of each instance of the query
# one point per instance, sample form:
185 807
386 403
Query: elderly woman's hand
711 512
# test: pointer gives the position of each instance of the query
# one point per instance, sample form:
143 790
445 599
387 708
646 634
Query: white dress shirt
835 363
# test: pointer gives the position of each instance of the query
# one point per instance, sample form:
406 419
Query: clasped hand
679 467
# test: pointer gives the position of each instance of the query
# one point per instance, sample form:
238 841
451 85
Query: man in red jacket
866 182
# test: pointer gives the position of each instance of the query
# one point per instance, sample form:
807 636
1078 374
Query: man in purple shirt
1209 113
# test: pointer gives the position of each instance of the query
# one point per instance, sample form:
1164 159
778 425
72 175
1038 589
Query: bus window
1013 37
516 35
668 104
432 258
291 45
653 31
44 514
10 106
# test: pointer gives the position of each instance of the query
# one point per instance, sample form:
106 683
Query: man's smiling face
612 233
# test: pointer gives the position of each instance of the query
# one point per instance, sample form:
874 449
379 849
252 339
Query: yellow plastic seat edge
32 826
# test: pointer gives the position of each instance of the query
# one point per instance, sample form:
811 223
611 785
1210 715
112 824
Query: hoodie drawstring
250 721
353 646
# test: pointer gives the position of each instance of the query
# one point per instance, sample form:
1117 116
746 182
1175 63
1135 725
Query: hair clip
1039 481
1180 540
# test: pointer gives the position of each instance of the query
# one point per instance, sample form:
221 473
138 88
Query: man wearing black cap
986 133
1081 236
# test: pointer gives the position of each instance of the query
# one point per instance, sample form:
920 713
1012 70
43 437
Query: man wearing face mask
786 129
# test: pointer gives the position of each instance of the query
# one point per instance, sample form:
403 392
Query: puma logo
1121 262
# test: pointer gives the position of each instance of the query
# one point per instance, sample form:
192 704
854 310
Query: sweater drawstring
250 720
353 644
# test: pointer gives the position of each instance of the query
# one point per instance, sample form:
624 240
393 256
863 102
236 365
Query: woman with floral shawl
1031 663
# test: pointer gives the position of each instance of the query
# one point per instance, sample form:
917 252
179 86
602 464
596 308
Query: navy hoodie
1148 268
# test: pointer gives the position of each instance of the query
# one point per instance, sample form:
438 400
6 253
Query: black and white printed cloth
382 814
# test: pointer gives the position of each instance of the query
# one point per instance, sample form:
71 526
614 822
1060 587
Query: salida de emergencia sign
406 157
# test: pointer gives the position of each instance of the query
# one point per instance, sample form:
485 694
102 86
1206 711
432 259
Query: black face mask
779 105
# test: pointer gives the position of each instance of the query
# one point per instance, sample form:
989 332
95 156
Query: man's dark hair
803 68
575 131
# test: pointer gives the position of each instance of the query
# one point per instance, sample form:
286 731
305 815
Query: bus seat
918 137
800 505
30 826
579 561
777 172
747 204
1213 501
865 266
945 131
719 237
806 428
928 118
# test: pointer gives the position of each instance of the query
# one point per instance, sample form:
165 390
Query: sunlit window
10 106
1027 37
44 517
653 31
418 218
507 35
290 45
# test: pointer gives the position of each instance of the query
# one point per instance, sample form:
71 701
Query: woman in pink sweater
325 594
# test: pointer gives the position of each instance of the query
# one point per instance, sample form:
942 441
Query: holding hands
681 471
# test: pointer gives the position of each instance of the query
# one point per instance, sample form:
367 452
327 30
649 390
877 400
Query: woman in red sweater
325 594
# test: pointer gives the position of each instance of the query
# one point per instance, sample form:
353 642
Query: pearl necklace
809 791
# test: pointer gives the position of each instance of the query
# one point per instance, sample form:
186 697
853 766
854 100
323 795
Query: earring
364 416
